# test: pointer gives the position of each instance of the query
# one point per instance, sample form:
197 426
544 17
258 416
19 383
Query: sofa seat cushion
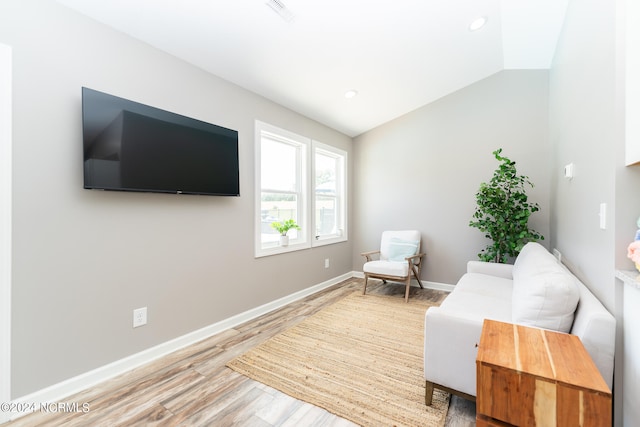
545 294
485 284
477 306
387 268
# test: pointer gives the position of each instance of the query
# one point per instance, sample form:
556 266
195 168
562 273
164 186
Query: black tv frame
129 146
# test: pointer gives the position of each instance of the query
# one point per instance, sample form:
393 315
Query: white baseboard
427 284
438 286
58 392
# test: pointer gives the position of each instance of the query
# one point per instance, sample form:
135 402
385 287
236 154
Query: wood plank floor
193 387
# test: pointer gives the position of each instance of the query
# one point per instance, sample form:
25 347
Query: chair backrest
395 245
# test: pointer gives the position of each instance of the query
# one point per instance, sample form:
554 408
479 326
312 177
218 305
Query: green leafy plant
284 226
503 212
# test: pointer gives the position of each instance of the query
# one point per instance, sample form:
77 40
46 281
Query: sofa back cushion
533 259
545 294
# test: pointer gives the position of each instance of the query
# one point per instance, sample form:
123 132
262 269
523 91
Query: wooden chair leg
428 393
364 290
406 292
417 276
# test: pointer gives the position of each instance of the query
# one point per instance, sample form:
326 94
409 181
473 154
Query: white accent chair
399 258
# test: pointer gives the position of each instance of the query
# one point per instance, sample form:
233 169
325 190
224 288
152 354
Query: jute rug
360 358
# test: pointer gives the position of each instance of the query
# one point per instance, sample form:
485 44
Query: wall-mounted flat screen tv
134 147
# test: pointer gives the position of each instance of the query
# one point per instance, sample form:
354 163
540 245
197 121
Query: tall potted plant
503 212
283 228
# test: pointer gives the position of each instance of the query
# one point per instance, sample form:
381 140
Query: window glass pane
277 207
328 188
278 165
326 215
326 167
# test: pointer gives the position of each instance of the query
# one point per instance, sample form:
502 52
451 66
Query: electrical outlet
326 263
557 254
139 317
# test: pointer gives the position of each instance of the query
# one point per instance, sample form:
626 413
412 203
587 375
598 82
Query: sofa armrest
596 328
491 269
450 349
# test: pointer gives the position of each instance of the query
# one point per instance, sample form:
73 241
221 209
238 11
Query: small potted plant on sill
283 227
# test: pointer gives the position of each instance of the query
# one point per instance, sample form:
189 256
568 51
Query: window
282 180
299 179
329 198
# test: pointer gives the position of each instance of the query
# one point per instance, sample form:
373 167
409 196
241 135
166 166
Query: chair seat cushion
387 268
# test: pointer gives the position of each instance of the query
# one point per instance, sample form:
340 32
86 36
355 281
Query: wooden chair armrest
412 257
370 253
367 255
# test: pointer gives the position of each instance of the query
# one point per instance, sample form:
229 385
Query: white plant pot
284 240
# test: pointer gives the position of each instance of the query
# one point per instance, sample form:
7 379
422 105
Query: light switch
568 171
603 216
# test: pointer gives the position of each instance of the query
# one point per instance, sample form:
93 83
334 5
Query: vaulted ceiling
305 54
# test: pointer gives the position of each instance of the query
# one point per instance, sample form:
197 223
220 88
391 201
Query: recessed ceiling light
281 9
350 93
478 23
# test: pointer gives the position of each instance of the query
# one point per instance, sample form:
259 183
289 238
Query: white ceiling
399 55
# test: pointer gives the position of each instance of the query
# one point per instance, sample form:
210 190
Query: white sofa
536 290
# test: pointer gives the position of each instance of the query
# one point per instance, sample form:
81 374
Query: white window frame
340 197
5 225
307 195
304 154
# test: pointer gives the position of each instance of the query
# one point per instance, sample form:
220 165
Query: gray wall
583 108
587 90
83 260
423 169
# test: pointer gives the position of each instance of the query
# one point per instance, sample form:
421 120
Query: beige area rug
360 358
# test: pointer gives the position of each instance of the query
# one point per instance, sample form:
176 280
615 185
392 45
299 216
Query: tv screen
134 147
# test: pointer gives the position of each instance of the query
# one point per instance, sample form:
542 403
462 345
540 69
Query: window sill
329 241
275 250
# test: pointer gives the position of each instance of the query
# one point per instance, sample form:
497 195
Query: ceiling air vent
281 9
